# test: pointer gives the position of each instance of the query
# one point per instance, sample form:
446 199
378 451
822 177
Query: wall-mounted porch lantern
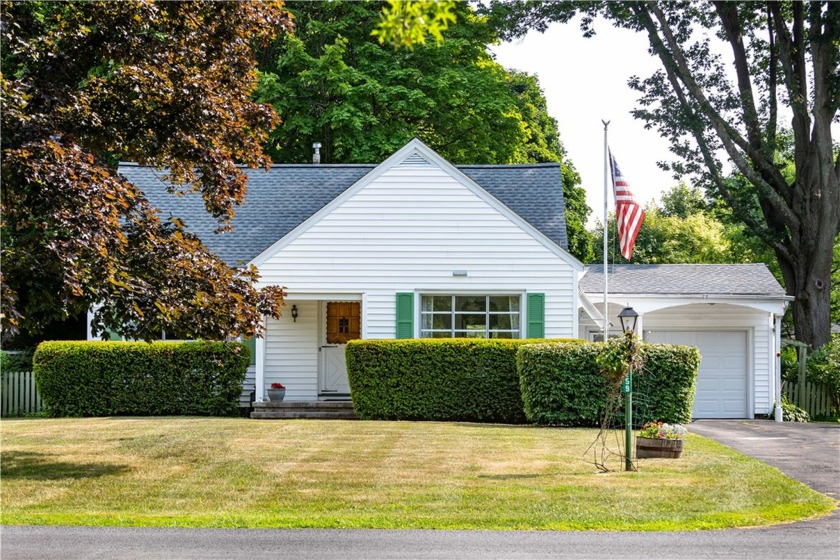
294 313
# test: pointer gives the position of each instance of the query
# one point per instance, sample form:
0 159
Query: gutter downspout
591 310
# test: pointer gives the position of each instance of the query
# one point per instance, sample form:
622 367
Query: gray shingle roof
279 200
684 279
533 191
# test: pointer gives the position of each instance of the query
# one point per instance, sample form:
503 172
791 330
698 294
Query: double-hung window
471 316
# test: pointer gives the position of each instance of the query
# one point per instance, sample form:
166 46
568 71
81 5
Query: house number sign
627 384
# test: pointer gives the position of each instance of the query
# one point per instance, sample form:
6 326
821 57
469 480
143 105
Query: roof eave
777 297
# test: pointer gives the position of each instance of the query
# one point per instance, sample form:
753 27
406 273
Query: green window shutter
251 343
405 315
113 335
536 316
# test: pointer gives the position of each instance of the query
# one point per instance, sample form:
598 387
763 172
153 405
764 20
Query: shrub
792 413
562 384
824 368
16 361
117 378
436 379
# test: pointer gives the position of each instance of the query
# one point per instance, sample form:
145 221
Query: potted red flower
277 392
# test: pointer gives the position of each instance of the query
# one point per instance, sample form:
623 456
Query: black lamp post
628 314
628 318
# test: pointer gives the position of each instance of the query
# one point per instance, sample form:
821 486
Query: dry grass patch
210 472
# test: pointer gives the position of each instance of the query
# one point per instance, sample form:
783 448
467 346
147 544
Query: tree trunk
810 284
808 277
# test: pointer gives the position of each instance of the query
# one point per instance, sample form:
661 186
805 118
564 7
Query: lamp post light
628 318
628 314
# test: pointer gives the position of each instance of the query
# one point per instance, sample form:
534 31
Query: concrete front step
288 414
305 404
339 410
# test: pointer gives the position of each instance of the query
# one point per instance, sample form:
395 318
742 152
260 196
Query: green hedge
436 379
562 385
135 378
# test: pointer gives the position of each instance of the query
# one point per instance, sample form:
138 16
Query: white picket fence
810 397
18 394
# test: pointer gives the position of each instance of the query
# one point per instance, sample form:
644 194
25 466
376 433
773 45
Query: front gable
416 185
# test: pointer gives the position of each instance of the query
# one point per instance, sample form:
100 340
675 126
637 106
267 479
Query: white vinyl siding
247 386
763 366
380 314
291 351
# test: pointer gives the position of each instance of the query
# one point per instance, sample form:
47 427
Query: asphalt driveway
809 453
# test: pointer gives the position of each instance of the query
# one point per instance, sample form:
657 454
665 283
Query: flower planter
276 395
650 448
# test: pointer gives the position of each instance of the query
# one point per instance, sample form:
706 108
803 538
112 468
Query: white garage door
722 381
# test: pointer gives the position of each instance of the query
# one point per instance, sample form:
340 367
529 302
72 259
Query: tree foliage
673 239
168 84
405 23
332 82
781 58
683 201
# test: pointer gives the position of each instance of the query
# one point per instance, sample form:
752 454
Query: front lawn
210 472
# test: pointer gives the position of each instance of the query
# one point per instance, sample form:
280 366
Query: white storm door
334 371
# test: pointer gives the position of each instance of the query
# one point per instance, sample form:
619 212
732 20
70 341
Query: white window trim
519 333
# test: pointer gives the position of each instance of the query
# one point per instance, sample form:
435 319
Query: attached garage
723 380
731 313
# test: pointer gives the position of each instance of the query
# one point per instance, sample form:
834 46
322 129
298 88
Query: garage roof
684 279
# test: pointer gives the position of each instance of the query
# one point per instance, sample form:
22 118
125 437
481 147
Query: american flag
628 213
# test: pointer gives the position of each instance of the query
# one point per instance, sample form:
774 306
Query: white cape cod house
417 247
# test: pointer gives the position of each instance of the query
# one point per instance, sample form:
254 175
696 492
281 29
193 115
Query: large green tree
781 64
167 84
333 82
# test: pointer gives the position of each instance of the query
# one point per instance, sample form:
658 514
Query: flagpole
606 221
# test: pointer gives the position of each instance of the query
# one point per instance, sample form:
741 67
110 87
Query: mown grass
210 472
